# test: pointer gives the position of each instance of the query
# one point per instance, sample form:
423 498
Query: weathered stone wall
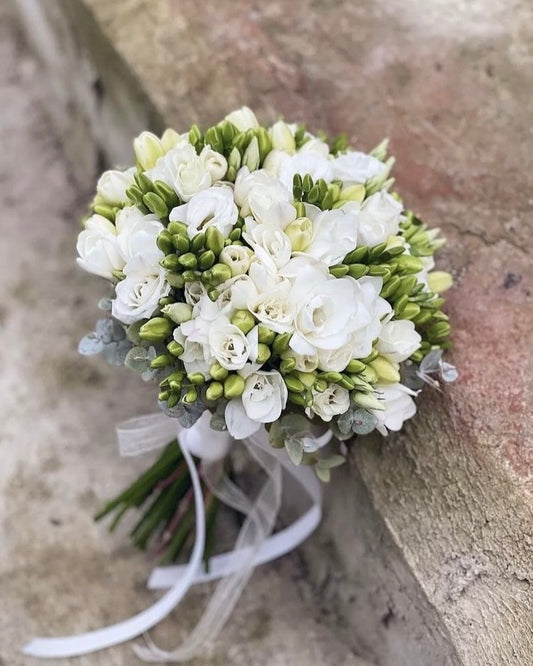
426 553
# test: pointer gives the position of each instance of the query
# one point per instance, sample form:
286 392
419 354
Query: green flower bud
346 382
357 270
218 372
252 156
175 385
373 354
380 151
308 379
166 300
367 401
178 312
300 233
214 391
195 135
105 211
293 384
423 317
170 262
297 399
213 294
439 331
235 234
299 205
439 281
390 287
156 329
353 193
281 343
355 366
181 243
166 193
385 370
264 142
234 160
177 228
369 375
407 284
406 263
119 275
220 273
175 280
170 138
175 348
188 261
340 270
198 242
334 377
400 304
191 276
196 378
282 137
380 270
233 386
164 242
163 396
190 396
206 259
287 365
263 353
155 204
161 361
266 335
410 311
359 255
321 385
173 400
135 195
148 149
243 320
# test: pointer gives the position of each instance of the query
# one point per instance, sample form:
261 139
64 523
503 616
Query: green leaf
323 474
335 460
294 450
137 359
363 422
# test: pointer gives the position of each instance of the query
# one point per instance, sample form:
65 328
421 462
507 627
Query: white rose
399 406
112 185
271 204
303 163
228 344
244 182
274 307
270 244
196 356
335 360
263 400
183 170
237 257
137 233
98 249
379 217
304 362
215 163
243 119
328 310
194 292
334 234
355 167
137 296
398 340
213 207
331 402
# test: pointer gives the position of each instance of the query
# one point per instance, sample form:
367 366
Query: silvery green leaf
118 331
294 449
218 420
91 344
338 433
335 460
323 474
191 413
105 329
174 412
295 424
344 422
137 359
430 362
363 422
410 376
105 304
276 435
133 332
115 353
448 372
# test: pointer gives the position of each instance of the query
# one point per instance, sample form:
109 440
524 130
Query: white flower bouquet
264 278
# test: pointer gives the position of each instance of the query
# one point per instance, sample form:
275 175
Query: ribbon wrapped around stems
255 544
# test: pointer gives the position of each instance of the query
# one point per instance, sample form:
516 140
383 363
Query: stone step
425 554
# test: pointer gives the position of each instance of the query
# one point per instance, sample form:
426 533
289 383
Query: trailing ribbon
255 544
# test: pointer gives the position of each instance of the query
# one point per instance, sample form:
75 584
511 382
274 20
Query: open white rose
183 170
271 204
270 244
213 207
228 344
237 257
274 307
356 167
263 400
379 217
331 402
334 234
112 185
215 163
137 296
398 340
137 233
303 163
399 406
98 249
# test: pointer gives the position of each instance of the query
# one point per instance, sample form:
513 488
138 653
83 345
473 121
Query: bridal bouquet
262 278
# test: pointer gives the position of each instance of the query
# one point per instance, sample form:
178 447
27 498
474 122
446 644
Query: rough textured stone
439 517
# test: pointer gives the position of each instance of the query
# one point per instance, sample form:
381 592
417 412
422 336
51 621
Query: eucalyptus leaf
295 424
174 412
137 359
115 352
335 460
276 435
363 422
345 421
294 449
323 474
105 304
90 344
218 419
338 433
133 332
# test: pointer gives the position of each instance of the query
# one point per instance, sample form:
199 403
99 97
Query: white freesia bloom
137 233
336 360
399 406
270 244
213 207
148 148
215 163
228 344
378 308
194 292
237 257
196 356
137 296
398 340
112 185
282 137
304 362
356 167
274 161
303 163
97 248
183 170
243 119
315 145
331 402
379 217
274 307
263 400
270 203
334 234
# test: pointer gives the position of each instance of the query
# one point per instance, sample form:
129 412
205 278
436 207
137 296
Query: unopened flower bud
220 273
190 396
300 233
112 185
355 366
206 260
266 335
218 372
385 370
148 149
161 361
196 378
175 280
282 137
294 384
188 261
263 353
233 386
164 242
175 348
243 119
353 193
439 281
170 138
244 320
367 401
287 365
281 343
155 330
252 157
177 228
178 312
214 240
308 379
214 391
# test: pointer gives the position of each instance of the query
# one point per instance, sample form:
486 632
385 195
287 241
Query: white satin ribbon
254 545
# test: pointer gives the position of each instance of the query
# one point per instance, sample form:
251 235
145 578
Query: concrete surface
426 555
59 572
